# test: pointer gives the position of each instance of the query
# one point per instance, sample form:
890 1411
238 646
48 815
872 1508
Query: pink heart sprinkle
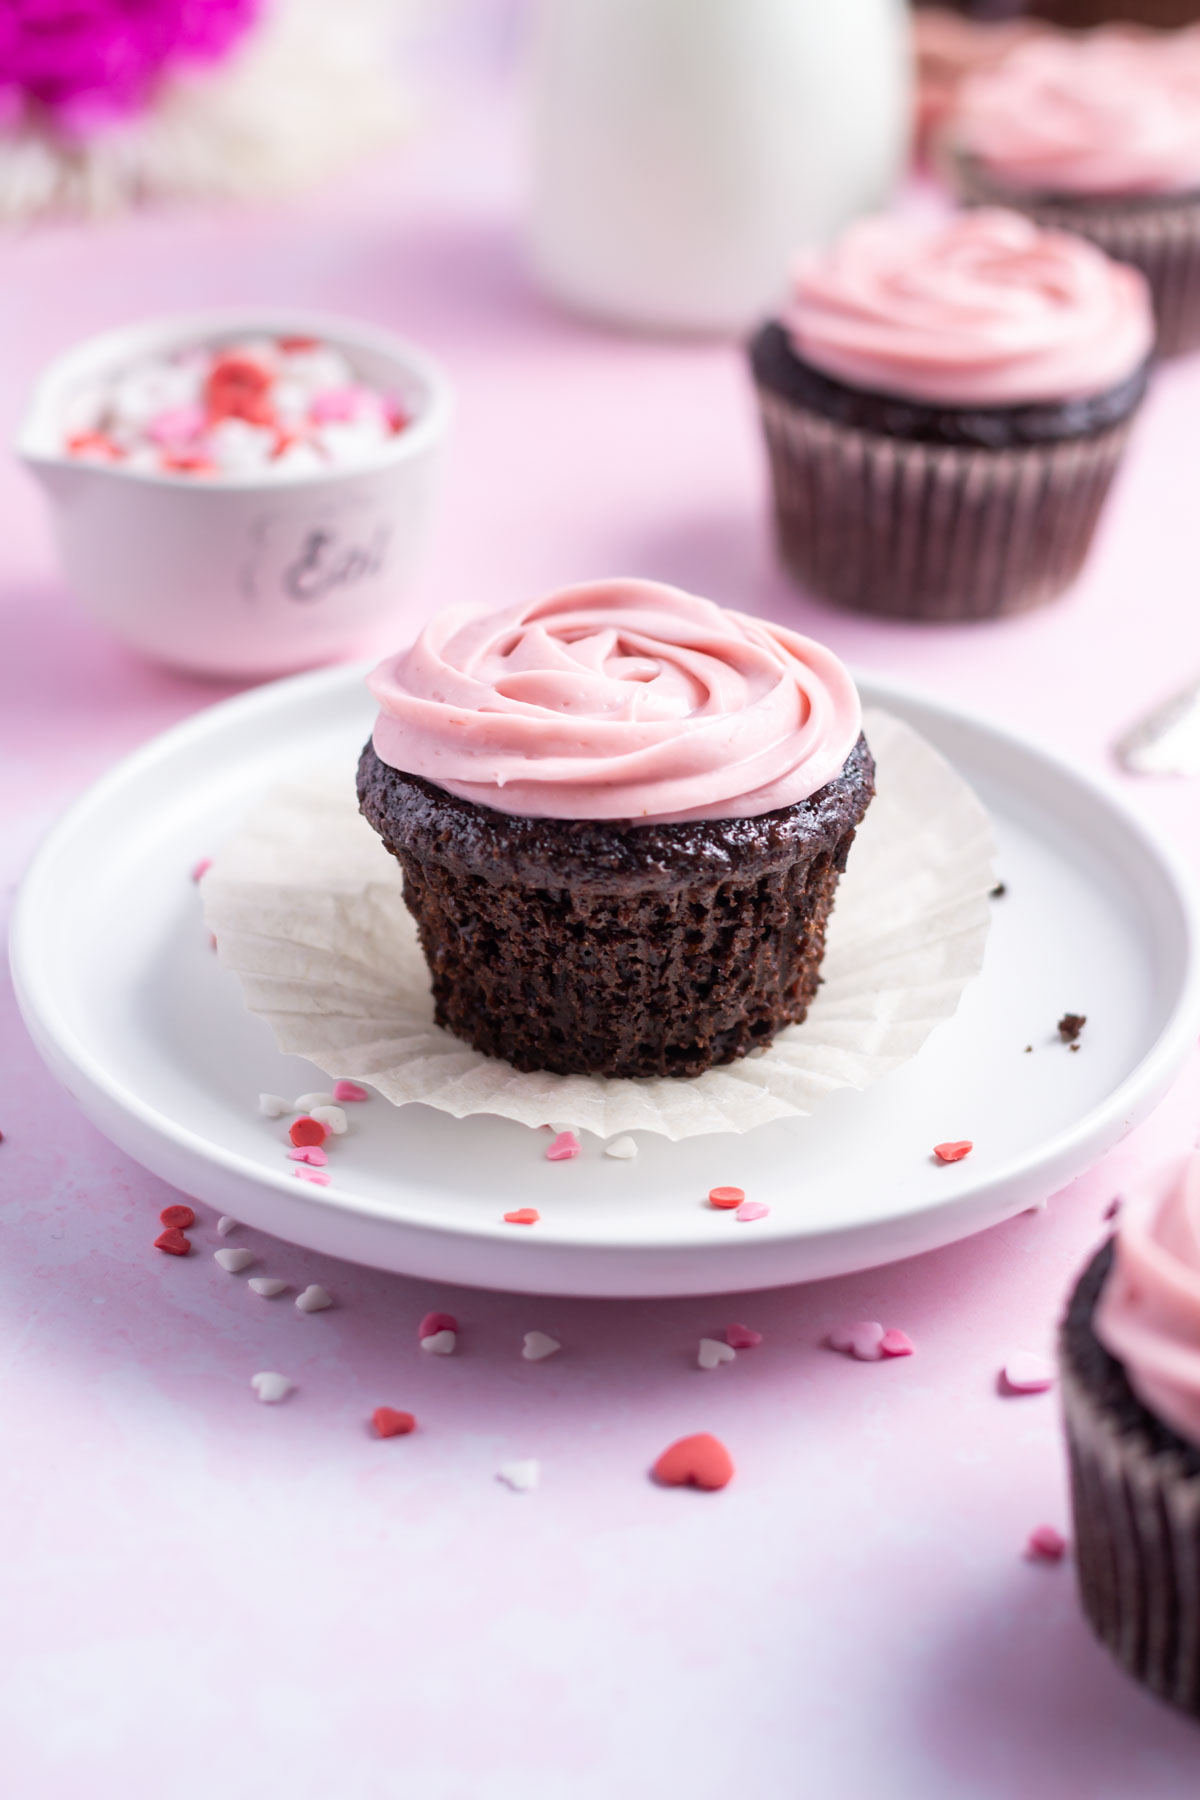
177 425
896 1343
317 1175
309 1153
432 1323
1045 1544
1027 1373
741 1337
863 1339
336 405
751 1209
564 1147
201 869
349 1090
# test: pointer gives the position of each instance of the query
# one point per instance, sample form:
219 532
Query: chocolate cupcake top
1114 112
1148 1314
984 308
617 700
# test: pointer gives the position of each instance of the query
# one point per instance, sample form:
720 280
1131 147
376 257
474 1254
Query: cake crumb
1070 1026
999 891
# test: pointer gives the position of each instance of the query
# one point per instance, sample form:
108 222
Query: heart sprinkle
201 869
173 1241
524 1215
390 1423
317 1176
751 1209
332 1118
234 1260
538 1346
309 1153
344 1091
741 1337
307 1131
434 1322
181 1217
703 1461
863 1339
712 1352
1027 1373
313 1299
440 1343
564 1147
953 1152
225 1225
1045 1544
725 1199
305 1103
896 1343
267 1285
623 1148
519 1476
272 1106
270 1387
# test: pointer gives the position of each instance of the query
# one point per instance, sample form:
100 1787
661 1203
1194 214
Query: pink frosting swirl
1114 112
616 700
983 308
1148 1314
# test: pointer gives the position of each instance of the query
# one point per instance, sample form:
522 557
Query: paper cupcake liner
307 909
1162 240
1137 1546
886 525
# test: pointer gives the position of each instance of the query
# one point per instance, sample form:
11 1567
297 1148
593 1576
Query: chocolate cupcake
945 404
1130 1349
1099 134
621 813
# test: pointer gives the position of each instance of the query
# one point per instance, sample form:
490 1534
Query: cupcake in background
948 47
1130 1349
622 813
1098 134
945 403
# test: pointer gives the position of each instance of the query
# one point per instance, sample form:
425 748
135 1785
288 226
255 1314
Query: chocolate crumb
999 891
1072 1046
1070 1026
1029 1049
1113 1208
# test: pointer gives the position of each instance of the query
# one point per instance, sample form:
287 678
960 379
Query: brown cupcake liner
888 525
1162 239
1137 1547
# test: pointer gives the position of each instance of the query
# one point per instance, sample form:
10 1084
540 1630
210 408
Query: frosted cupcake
1130 1351
622 813
1098 134
945 403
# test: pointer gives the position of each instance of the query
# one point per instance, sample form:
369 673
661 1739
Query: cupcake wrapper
1137 1549
1162 241
929 531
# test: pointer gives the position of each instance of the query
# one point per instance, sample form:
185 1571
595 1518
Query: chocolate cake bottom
602 948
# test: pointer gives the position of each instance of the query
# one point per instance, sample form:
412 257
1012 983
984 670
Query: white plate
125 1001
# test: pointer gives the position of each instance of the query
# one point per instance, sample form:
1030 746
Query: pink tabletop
205 1595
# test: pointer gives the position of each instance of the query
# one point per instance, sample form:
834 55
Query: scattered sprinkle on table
1045 1544
272 1106
390 1423
524 1215
954 1151
440 1343
234 1260
271 1387
750 1210
623 1148
712 1352
182 1217
519 1476
309 1153
741 1337
726 1199
201 869
225 1225
433 1322
344 1091
1070 1026
304 1103
306 1130
267 1285
896 1343
173 1241
700 1461
564 1147
1026 1372
313 1299
332 1118
317 1176
537 1346
863 1339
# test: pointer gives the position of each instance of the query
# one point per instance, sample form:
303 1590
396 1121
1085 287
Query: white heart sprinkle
313 1299
520 1476
225 1225
267 1285
272 1106
713 1351
623 1148
538 1345
332 1117
440 1343
234 1260
1029 1373
863 1339
271 1387
306 1102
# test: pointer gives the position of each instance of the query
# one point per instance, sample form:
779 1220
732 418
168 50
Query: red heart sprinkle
173 1241
524 1215
953 1152
702 1460
181 1217
390 1423
726 1198
294 341
237 388
434 1322
307 1131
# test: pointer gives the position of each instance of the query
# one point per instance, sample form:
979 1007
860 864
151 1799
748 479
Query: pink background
203 1595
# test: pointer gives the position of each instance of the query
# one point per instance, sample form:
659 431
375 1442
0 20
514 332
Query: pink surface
204 1595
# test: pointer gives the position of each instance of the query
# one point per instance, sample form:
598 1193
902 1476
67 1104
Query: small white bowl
234 576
